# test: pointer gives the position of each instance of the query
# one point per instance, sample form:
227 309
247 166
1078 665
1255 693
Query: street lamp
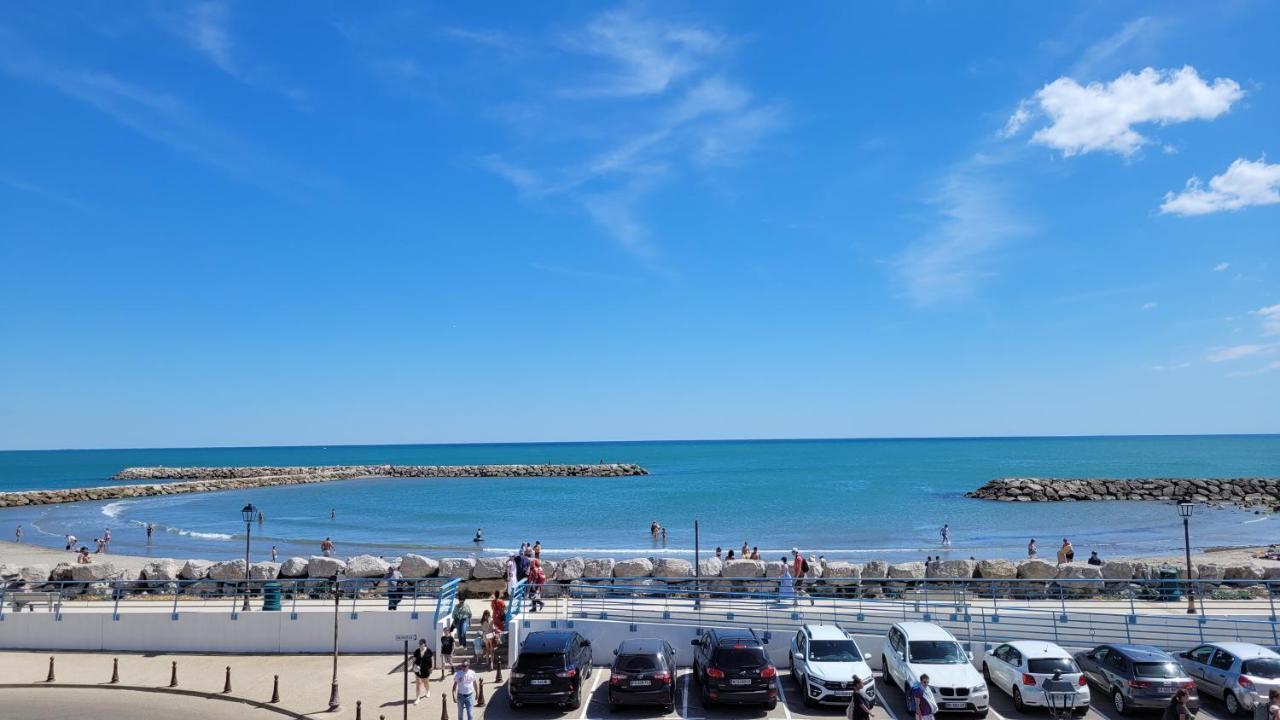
247 512
334 703
1185 508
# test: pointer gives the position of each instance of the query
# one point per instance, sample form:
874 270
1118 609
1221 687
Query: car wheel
986 673
771 705
1232 702
1118 701
515 704
707 702
1017 701
980 714
576 702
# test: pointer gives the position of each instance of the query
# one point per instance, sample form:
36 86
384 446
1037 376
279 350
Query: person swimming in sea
479 538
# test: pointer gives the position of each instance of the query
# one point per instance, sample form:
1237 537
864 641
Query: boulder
635 567
367 566
265 570
195 570
227 570
773 568
161 571
1035 569
37 574
571 569
417 566
711 567
995 570
548 567
1119 570
841 570
743 569
60 572
672 568
1210 571
490 568
94 572
907 570
457 567
320 566
598 568
875 569
951 569
294 567
484 588
1272 573
1081 576
1244 571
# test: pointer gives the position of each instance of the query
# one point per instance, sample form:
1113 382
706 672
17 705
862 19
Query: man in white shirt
464 688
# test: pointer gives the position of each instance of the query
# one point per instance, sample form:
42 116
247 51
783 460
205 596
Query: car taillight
571 672
516 675
1082 681
1189 685
1245 682
715 672
1139 684
662 676
1028 680
768 672
616 679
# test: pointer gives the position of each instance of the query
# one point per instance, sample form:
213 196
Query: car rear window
533 662
1049 666
1159 670
1262 667
638 663
736 658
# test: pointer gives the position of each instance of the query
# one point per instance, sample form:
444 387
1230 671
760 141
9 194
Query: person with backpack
920 700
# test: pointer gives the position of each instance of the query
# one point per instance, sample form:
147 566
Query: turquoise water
859 499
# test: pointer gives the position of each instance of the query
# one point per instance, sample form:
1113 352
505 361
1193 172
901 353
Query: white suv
824 662
913 649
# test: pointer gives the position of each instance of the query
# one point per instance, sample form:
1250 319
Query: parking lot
892 706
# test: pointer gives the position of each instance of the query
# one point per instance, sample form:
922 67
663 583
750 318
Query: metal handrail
446 596
515 603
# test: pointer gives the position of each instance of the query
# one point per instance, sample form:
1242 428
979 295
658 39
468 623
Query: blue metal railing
446 596
515 603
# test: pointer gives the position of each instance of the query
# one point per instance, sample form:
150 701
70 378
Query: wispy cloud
646 55
35 190
1245 183
1221 266
948 263
1102 116
488 38
1149 306
1098 56
206 28
1236 352
1270 317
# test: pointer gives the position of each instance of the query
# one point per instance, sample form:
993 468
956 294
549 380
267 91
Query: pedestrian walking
538 578
921 699
106 540
461 619
812 571
537 550
499 610
446 646
786 584
859 706
488 638
797 568
17 534
945 532
464 688
1177 707
423 662
511 574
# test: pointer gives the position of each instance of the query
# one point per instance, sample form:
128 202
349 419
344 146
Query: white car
913 649
1020 669
1240 673
824 662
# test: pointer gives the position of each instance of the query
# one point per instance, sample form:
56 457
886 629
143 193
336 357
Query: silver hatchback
1242 674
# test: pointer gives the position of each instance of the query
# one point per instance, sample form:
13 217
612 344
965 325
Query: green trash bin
1170 585
271 596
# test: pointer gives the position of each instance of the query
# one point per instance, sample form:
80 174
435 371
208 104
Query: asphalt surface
60 703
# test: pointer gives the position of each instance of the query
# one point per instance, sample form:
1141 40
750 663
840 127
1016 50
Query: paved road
62 703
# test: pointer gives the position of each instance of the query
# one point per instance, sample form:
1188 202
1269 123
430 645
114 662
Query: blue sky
238 223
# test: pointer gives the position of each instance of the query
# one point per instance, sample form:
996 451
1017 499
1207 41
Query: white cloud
1149 306
1102 116
1236 352
648 55
1221 266
948 263
205 28
1270 319
1245 183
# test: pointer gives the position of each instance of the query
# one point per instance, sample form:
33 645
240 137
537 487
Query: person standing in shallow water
1031 548
17 534
945 532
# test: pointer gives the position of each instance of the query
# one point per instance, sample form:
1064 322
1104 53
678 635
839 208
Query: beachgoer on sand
84 555
1066 553
1094 559
729 557
537 550
755 553
71 542
17 534
718 553
746 551
106 540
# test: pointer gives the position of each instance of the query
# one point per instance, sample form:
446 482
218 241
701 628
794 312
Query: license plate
955 706
842 693
743 681
539 682
1166 687
641 683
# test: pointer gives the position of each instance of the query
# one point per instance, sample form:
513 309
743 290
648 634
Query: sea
858 499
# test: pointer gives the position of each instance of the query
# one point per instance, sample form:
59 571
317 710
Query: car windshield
1262 667
1049 666
1158 670
739 658
637 663
834 651
535 662
937 652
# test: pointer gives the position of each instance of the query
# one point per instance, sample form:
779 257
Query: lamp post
247 512
334 704
1185 508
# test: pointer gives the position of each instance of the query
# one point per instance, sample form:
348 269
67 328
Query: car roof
924 631
1038 649
546 640
640 646
733 633
1245 650
1148 653
825 632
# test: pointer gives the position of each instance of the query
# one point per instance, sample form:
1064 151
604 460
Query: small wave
1250 522
197 534
113 510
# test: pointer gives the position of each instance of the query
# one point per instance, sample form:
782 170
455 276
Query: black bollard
479 692
275 689
444 706
357 710
226 687
497 663
50 678
173 675
115 670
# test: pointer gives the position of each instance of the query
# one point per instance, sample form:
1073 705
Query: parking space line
687 688
586 706
782 696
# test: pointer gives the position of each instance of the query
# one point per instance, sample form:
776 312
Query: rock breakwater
1242 492
190 480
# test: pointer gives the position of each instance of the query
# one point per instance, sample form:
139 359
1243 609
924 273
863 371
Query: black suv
551 668
733 667
644 673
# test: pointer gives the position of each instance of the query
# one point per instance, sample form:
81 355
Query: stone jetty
209 479
1242 492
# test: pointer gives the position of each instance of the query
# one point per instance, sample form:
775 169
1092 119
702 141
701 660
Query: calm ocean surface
859 499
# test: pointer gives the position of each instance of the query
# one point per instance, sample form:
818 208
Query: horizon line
651 440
